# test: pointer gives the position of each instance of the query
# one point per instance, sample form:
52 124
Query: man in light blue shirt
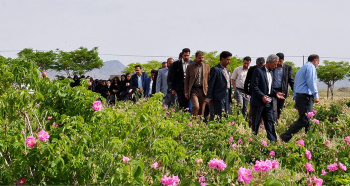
305 95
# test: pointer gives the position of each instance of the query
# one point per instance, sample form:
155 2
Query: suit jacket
287 78
259 85
162 84
147 86
217 86
247 82
134 82
177 76
191 75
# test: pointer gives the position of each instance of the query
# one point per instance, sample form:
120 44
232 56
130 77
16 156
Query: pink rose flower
308 154
332 167
250 139
323 172
347 140
126 160
49 117
165 107
190 124
96 105
244 175
199 160
314 181
217 164
21 181
155 165
43 136
201 179
203 184
272 153
301 143
170 180
173 110
342 167
240 141
264 143
314 111
187 108
316 121
262 165
233 122
310 114
230 140
327 143
167 112
309 167
275 164
31 141
233 146
90 83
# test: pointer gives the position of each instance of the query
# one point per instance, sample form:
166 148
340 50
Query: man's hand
186 95
130 90
264 99
173 92
316 100
280 95
207 101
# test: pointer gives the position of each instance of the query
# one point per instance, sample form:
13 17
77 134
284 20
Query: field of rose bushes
61 135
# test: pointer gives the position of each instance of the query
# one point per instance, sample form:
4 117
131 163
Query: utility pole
303 59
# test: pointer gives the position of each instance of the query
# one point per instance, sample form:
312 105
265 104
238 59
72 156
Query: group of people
194 84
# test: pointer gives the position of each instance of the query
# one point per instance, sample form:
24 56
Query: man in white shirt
238 77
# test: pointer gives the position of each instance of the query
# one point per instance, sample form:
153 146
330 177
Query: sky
158 29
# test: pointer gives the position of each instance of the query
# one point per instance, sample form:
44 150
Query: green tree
78 61
332 72
147 67
295 69
44 60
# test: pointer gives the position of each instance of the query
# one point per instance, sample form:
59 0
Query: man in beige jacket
196 83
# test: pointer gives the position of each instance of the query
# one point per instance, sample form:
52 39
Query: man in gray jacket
162 84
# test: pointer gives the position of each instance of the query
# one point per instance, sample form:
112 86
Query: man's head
225 58
169 61
153 74
138 70
271 61
199 56
186 52
260 62
281 59
246 62
314 59
164 64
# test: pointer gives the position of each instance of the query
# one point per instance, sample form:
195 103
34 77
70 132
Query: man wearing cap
238 77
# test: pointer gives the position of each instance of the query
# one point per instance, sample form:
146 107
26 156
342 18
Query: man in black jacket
137 81
283 75
177 72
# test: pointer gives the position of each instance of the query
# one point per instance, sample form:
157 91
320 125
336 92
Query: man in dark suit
282 76
137 81
178 73
196 83
148 84
219 87
262 91
260 62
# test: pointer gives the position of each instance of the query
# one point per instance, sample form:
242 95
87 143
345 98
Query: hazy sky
162 28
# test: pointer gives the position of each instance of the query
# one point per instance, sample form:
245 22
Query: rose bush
147 144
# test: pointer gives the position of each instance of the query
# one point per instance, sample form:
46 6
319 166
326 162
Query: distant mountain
113 67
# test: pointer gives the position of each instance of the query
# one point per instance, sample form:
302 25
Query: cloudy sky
161 28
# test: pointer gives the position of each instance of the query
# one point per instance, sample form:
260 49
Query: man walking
262 92
219 87
238 77
178 73
196 84
137 81
282 76
162 84
305 95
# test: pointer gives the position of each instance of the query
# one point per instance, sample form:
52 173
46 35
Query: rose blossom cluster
202 181
301 143
314 181
42 135
170 180
155 165
310 114
347 140
309 167
334 167
308 154
244 175
266 165
217 164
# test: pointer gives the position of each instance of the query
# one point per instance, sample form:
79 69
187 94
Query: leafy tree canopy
147 67
295 69
44 60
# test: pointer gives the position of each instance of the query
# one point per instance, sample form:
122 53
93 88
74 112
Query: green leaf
136 172
272 182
